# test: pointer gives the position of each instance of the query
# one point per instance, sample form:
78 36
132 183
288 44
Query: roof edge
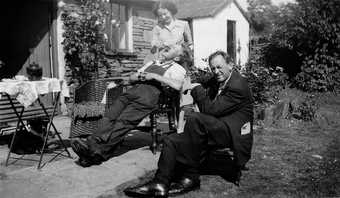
242 11
237 5
217 10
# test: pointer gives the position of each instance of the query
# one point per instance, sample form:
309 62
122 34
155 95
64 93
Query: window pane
122 27
116 26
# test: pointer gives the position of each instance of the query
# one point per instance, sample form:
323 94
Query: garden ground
290 159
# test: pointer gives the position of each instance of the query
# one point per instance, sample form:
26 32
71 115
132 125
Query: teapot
34 72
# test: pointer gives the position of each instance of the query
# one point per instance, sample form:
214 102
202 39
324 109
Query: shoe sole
184 191
133 194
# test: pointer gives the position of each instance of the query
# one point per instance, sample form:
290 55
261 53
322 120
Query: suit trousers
124 115
182 153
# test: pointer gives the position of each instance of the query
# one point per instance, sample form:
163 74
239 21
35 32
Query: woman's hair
165 4
186 58
225 56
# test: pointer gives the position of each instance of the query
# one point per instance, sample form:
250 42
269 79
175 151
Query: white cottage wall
210 34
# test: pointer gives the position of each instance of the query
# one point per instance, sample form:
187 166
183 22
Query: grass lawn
295 159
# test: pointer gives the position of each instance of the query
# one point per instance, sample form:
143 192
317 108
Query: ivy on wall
83 39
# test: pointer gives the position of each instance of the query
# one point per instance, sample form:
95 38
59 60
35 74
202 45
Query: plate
10 80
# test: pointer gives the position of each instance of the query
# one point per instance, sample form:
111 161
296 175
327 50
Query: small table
27 92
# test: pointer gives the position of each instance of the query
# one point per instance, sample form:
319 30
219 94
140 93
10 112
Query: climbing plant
83 39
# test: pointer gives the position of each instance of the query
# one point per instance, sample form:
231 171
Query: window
118 27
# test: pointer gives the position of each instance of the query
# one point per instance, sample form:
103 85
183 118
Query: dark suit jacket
234 107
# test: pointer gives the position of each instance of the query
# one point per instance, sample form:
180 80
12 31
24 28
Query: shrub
319 72
306 109
284 57
265 82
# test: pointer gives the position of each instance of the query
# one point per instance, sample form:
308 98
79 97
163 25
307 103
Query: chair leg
10 147
171 119
20 125
153 122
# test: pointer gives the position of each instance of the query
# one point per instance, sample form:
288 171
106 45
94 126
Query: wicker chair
92 91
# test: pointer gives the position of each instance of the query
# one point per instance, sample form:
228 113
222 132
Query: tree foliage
312 29
83 39
304 38
261 14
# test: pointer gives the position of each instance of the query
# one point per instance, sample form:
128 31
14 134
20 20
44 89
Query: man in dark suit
225 120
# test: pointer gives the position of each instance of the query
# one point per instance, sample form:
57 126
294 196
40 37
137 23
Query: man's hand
193 85
187 85
149 76
157 48
153 49
134 77
143 76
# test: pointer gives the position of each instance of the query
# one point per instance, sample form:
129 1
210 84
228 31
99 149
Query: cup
20 77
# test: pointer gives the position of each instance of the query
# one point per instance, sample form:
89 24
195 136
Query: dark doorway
231 39
25 37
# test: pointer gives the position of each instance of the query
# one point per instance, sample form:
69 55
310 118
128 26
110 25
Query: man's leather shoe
80 147
86 158
183 185
151 189
84 162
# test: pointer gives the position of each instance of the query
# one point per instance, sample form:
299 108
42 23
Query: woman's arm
155 42
187 35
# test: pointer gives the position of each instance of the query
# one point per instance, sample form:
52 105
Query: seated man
224 120
132 106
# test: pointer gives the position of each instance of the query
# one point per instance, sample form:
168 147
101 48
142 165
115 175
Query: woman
169 30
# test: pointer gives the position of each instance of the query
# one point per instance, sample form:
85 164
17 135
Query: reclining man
132 106
224 120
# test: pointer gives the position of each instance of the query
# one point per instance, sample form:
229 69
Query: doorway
231 39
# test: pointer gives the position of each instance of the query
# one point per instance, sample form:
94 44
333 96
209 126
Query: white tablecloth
26 92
